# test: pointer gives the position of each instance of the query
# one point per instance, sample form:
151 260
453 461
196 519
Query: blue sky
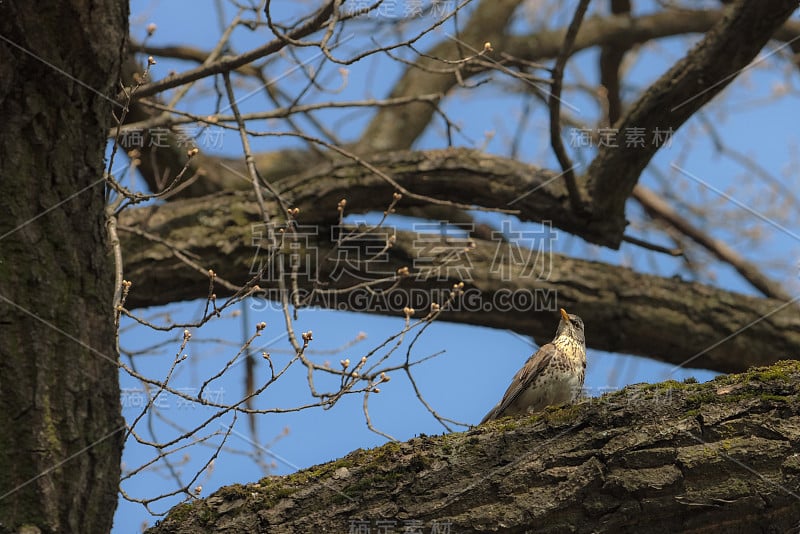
475 364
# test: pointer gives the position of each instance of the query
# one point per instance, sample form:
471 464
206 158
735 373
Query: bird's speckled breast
560 383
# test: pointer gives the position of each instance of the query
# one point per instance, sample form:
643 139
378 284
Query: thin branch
659 209
652 246
554 103
227 64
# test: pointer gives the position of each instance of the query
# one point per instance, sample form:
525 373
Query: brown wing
525 376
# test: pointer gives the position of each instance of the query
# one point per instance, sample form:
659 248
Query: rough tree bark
60 424
673 457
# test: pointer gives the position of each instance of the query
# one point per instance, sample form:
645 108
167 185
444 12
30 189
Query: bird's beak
564 315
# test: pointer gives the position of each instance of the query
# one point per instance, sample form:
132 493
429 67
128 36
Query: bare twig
554 103
661 210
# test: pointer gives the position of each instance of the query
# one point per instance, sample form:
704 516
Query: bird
553 375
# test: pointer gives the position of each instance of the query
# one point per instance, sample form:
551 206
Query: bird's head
571 326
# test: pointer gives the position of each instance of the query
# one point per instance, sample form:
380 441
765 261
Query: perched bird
553 375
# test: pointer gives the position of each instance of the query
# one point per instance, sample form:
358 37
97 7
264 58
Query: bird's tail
491 415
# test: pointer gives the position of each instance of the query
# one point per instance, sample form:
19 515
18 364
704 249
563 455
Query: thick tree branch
669 102
664 318
458 175
667 457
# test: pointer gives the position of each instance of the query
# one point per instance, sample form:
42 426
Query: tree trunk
672 457
61 429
